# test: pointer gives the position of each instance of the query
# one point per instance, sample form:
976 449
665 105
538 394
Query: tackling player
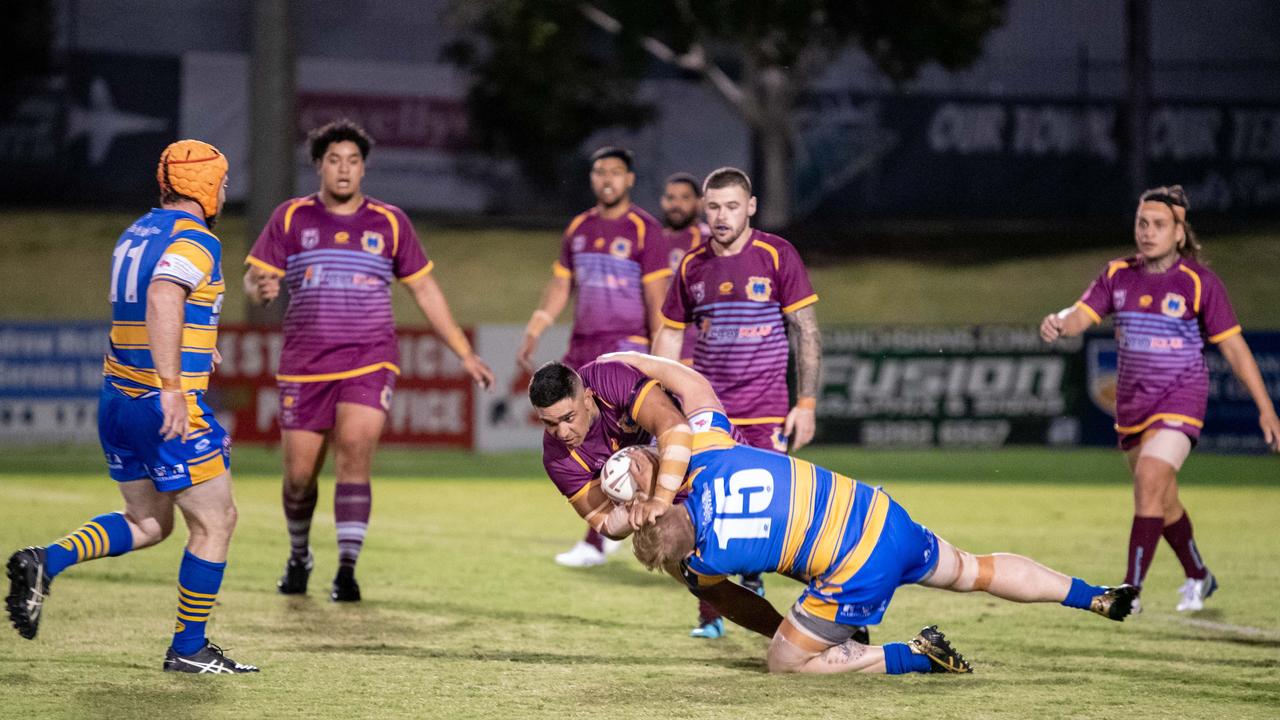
615 256
746 294
1167 305
591 413
339 251
163 445
754 511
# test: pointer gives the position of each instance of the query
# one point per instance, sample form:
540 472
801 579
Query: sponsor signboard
50 375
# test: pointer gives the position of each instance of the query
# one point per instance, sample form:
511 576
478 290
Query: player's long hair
1175 197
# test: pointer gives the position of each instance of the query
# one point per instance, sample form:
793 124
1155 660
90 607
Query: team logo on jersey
726 287
759 288
372 242
698 290
310 237
1144 301
1117 298
1173 305
342 237
579 243
620 248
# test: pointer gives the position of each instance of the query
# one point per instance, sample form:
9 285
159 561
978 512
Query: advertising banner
967 386
504 417
50 375
432 403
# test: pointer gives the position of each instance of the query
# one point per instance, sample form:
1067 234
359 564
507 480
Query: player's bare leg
1021 579
304 453
210 513
148 511
355 439
797 650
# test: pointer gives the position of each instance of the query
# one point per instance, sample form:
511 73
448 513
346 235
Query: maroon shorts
314 405
766 436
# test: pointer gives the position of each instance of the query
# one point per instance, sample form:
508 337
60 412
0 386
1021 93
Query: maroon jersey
737 303
610 261
679 243
618 391
339 270
1163 320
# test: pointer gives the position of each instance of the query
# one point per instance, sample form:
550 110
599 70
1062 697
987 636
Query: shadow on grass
116 702
535 657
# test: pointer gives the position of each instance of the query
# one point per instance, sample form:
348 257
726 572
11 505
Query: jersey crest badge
1173 305
620 248
310 238
759 288
372 242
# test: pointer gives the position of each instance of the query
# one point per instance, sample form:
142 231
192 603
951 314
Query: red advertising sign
432 404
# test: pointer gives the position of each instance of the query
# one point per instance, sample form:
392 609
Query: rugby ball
615 476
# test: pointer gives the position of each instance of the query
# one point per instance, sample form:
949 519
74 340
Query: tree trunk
1139 70
774 179
271 139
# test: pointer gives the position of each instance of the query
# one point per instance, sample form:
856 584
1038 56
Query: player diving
751 510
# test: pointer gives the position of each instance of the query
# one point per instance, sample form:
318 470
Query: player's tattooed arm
802 332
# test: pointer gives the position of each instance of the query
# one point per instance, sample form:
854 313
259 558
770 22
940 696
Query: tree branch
695 60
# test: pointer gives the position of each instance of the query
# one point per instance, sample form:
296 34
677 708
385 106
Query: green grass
54 266
466 616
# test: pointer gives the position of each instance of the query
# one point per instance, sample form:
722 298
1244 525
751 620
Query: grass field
75 247
465 615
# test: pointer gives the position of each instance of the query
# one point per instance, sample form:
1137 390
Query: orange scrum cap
194 169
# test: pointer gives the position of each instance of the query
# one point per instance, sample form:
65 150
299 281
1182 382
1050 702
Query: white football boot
1195 592
581 555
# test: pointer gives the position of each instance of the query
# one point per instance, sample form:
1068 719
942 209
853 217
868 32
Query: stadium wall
980 386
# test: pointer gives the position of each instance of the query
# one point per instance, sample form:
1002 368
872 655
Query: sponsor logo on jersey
598 244
342 237
1173 305
310 237
202 445
620 248
1118 298
698 290
372 242
759 289
313 276
1144 301
726 287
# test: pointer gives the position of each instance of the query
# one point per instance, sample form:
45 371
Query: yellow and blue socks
1081 594
198 583
899 660
103 536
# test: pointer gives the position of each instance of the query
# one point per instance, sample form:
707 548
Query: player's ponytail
1176 198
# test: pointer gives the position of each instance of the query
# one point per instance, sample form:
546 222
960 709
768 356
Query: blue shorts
129 430
905 554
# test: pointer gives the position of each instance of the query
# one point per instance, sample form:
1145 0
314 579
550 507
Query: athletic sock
899 660
707 612
198 583
1143 539
594 539
297 516
352 503
105 535
1081 594
1183 542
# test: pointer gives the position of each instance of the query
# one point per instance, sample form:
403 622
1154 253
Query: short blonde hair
666 542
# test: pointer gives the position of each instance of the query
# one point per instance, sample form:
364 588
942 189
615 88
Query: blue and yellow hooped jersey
759 511
175 246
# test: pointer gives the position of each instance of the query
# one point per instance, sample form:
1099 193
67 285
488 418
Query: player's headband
1173 197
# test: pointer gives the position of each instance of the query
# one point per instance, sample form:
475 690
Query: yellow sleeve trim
1115 266
656 275
1093 314
293 207
582 492
561 271
806 302
395 226
674 324
575 223
341 375
773 252
197 254
426 270
1195 278
1230 332
640 396
640 229
758 420
574 454
684 264
262 265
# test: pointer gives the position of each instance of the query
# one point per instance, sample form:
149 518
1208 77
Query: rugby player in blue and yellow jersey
753 511
163 445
